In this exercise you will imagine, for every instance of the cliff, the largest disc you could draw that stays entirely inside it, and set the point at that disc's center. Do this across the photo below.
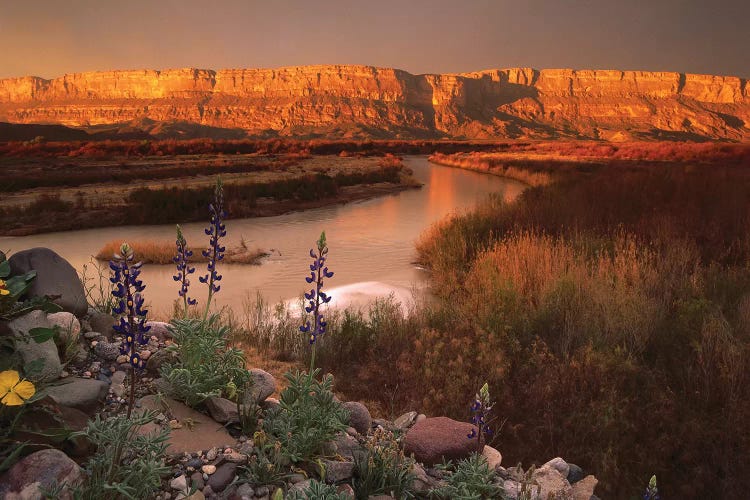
(366, 101)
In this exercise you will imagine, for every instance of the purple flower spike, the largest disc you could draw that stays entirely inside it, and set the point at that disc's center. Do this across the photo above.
(183, 269)
(316, 297)
(215, 252)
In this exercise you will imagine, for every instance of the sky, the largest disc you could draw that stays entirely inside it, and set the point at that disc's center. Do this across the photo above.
(49, 38)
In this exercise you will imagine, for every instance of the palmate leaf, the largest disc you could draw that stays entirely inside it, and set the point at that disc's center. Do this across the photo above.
(17, 285)
(41, 334)
(4, 269)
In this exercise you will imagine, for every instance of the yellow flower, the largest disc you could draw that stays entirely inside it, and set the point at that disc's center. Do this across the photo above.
(3, 290)
(13, 390)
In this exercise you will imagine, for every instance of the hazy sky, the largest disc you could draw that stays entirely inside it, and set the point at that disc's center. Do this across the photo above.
(51, 37)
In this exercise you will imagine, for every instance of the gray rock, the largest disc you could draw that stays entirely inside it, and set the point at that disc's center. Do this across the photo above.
(263, 386)
(300, 486)
(405, 421)
(551, 483)
(30, 351)
(107, 350)
(222, 410)
(346, 445)
(118, 383)
(575, 473)
(81, 393)
(559, 465)
(337, 472)
(42, 469)
(179, 483)
(261, 491)
(102, 323)
(54, 276)
(359, 416)
(159, 358)
(422, 482)
(196, 481)
(160, 330)
(245, 492)
(223, 476)
(68, 325)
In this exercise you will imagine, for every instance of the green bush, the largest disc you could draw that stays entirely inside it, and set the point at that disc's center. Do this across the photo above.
(308, 416)
(126, 464)
(317, 491)
(206, 366)
(382, 468)
(471, 479)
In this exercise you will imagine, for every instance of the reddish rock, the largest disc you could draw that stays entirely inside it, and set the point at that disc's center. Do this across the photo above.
(438, 438)
(46, 469)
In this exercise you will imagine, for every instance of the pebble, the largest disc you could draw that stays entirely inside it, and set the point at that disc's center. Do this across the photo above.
(64, 374)
(91, 335)
(212, 454)
(174, 424)
(179, 483)
(87, 374)
(208, 469)
(122, 359)
(94, 342)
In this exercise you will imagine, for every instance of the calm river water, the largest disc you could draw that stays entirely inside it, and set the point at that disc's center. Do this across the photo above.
(371, 242)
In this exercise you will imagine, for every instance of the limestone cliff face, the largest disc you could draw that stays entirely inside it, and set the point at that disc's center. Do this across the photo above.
(364, 100)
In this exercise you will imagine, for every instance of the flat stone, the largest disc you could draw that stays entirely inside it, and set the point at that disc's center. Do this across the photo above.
(54, 277)
(439, 438)
(337, 472)
(359, 416)
(31, 351)
(42, 469)
(198, 432)
(222, 410)
(405, 421)
(84, 394)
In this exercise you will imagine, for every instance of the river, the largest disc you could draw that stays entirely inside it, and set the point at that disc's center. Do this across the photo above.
(371, 243)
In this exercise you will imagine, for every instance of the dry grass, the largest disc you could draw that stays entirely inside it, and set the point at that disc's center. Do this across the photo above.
(162, 252)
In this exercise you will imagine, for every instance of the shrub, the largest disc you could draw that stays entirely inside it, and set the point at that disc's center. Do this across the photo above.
(207, 366)
(267, 465)
(318, 491)
(471, 479)
(308, 416)
(382, 468)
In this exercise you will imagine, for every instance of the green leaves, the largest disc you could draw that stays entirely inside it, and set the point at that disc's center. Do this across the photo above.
(40, 334)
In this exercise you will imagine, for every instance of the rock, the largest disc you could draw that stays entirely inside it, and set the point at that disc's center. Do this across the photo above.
(179, 483)
(245, 491)
(270, 404)
(208, 469)
(263, 386)
(212, 454)
(551, 483)
(584, 489)
(198, 495)
(160, 330)
(31, 351)
(48, 415)
(83, 394)
(118, 383)
(420, 417)
(42, 469)
(261, 491)
(68, 325)
(575, 473)
(103, 323)
(197, 431)
(492, 456)
(223, 476)
(300, 486)
(157, 359)
(346, 490)
(108, 351)
(559, 465)
(197, 481)
(337, 472)
(92, 335)
(422, 482)
(405, 421)
(435, 439)
(54, 276)
(346, 445)
(359, 416)
(222, 410)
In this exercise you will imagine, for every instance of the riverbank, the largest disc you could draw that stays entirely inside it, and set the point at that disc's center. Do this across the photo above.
(258, 188)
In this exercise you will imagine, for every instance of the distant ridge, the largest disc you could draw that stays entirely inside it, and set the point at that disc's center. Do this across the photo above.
(338, 101)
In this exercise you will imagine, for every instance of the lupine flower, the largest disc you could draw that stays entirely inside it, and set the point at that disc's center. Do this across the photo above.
(132, 325)
(316, 296)
(652, 492)
(183, 269)
(13, 390)
(215, 252)
(480, 410)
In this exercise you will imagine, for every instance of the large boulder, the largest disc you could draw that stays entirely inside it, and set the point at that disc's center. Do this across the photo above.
(222, 410)
(551, 483)
(439, 438)
(359, 416)
(31, 351)
(43, 469)
(54, 276)
(82, 393)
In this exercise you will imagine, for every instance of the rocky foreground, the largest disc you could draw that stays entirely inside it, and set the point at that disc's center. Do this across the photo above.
(203, 451)
(364, 101)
